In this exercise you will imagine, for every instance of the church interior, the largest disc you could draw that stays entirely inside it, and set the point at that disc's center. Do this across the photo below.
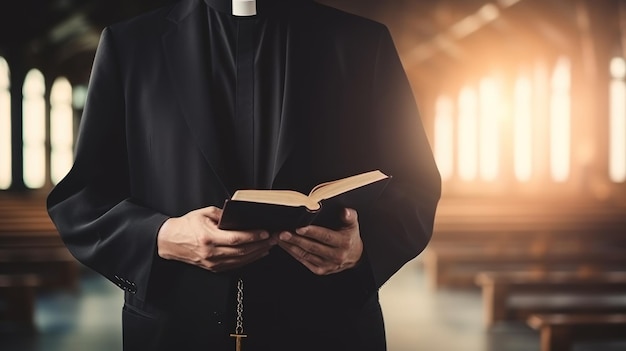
(524, 105)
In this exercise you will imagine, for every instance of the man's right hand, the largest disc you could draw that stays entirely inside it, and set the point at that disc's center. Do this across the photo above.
(195, 239)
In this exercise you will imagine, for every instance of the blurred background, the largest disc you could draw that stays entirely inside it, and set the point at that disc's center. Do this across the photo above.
(524, 103)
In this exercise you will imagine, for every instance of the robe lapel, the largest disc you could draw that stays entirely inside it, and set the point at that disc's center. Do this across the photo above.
(296, 93)
(185, 49)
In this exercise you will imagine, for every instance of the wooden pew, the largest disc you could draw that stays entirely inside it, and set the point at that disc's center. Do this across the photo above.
(502, 222)
(28, 232)
(560, 331)
(18, 293)
(471, 236)
(458, 266)
(29, 241)
(30, 246)
(55, 266)
(499, 287)
(25, 222)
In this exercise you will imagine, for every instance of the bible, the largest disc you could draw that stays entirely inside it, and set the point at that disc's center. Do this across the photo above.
(276, 210)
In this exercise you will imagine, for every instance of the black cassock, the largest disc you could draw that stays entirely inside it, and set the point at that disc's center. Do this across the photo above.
(187, 104)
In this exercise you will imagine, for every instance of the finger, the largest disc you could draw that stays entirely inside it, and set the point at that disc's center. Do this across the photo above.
(229, 237)
(320, 234)
(238, 238)
(308, 259)
(304, 256)
(309, 244)
(225, 252)
(214, 213)
(312, 262)
(350, 217)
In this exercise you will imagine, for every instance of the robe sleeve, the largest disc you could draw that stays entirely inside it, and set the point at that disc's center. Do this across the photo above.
(92, 207)
(399, 225)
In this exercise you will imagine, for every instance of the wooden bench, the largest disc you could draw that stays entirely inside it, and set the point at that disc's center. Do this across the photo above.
(32, 257)
(28, 232)
(499, 287)
(458, 266)
(57, 268)
(25, 222)
(560, 331)
(30, 243)
(17, 292)
(459, 221)
(473, 235)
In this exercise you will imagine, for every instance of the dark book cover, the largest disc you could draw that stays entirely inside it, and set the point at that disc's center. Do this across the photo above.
(247, 215)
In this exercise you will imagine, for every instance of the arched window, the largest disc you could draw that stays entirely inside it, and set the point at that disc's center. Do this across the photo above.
(522, 129)
(490, 107)
(617, 123)
(467, 150)
(61, 129)
(560, 120)
(444, 137)
(34, 129)
(5, 125)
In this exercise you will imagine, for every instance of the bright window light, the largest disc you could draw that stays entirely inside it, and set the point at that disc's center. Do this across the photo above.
(468, 134)
(522, 129)
(617, 123)
(444, 137)
(5, 125)
(560, 121)
(61, 129)
(34, 130)
(489, 141)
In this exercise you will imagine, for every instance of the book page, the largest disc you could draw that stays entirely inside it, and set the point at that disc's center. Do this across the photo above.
(340, 186)
(312, 202)
(277, 197)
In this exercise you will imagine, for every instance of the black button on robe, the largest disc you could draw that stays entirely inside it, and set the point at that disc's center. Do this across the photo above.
(162, 134)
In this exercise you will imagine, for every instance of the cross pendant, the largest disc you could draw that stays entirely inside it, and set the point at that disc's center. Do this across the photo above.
(238, 340)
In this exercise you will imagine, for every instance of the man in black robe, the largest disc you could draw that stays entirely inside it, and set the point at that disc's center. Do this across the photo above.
(191, 102)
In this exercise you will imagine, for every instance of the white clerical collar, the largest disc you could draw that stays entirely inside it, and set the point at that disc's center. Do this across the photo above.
(244, 7)
(254, 7)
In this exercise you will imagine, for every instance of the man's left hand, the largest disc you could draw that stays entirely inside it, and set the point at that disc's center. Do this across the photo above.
(325, 251)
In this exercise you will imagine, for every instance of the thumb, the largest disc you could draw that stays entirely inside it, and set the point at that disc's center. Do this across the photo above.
(349, 216)
(215, 213)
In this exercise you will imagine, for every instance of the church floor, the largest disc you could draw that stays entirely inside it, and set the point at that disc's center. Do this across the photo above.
(416, 319)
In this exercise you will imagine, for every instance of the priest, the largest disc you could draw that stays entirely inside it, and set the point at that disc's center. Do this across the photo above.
(190, 102)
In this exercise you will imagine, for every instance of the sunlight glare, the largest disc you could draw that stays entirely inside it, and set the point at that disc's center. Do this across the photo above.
(522, 129)
(617, 125)
(560, 120)
(444, 137)
(467, 134)
(490, 113)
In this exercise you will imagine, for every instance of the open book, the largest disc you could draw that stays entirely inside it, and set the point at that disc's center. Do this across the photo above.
(287, 209)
